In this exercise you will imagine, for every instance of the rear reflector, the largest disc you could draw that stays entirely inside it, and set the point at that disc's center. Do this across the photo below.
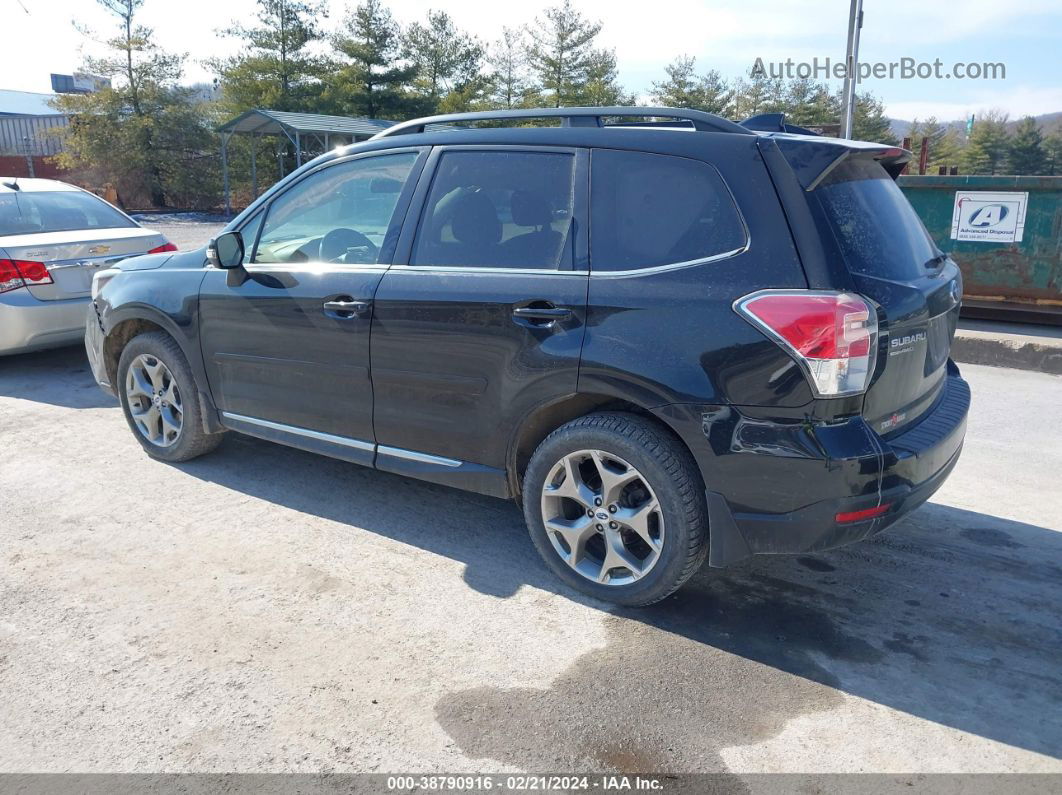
(163, 248)
(15, 273)
(833, 336)
(866, 513)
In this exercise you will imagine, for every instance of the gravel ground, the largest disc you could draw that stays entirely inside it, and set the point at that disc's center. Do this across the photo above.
(186, 230)
(264, 609)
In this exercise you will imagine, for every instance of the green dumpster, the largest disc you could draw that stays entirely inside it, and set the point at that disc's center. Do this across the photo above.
(1006, 235)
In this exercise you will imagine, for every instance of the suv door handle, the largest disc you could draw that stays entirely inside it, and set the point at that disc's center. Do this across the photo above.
(346, 307)
(543, 315)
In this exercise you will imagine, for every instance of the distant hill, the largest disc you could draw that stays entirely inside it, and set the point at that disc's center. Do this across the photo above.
(1049, 122)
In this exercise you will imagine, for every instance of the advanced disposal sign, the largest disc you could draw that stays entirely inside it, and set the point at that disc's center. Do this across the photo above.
(989, 217)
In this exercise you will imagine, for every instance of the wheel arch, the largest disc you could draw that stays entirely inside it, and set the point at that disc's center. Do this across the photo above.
(142, 320)
(548, 417)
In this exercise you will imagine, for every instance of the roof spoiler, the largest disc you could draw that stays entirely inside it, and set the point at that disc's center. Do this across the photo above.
(813, 160)
(773, 122)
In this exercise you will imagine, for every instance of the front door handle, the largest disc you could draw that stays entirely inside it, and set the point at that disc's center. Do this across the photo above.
(346, 307)
(544, 314)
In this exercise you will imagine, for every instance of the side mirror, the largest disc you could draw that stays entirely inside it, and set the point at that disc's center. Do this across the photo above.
(226, 250)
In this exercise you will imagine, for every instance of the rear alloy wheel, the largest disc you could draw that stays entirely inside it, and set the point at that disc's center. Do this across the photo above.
(602, 517)
(616, 507)
(160, 399)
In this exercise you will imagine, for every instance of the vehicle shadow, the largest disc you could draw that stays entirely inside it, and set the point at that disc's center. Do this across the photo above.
(58, 377)
(951, 616)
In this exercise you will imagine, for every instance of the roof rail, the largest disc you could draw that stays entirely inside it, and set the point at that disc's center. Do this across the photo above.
(573, 117)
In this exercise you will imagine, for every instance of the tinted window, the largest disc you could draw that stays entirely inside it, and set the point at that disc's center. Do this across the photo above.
(648, 210)
(876, 228)
(249, 232)
(500, 209)
(22, 212)
(340, 214)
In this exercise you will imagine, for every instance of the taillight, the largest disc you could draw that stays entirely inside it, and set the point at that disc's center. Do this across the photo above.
(163, 248)
(832, 335)
(15, 273)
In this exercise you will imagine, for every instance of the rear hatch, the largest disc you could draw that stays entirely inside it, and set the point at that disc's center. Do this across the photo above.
(895, 263)
(73, 233)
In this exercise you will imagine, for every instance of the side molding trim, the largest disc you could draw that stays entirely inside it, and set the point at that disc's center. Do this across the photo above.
(357, 444)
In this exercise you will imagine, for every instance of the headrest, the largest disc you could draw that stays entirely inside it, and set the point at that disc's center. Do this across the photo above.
(530, 209)
(475, 221)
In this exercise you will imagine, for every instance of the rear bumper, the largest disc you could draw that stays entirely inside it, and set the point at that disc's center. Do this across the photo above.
(28, 324)
(842, 468)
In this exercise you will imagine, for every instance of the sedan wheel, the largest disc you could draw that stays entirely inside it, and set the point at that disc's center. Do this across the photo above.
(602, 517)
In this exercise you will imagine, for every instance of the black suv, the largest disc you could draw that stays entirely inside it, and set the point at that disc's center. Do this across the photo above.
(669, 336)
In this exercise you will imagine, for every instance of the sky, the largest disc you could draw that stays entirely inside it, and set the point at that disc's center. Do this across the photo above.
(727, 35)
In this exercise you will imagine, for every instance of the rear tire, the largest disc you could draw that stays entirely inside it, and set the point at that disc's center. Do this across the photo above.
(616, 507)
(160, 399)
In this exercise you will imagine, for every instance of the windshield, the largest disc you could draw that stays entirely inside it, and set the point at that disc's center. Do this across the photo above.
(877, 230)
(27, 213)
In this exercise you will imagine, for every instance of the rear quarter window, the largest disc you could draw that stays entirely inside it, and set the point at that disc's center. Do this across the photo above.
(648, 210)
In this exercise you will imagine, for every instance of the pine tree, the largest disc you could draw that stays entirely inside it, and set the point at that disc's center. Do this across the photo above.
(508, 63)
(986, 152)
(684, 88)
(1027, 148)
(869, 122)
(277, 70)
(447, 59)
(758, 94)
(1053, 154)
(602, 87)
(948, 152)
(369, 80)
(561, 52)
(144, 133)
(806, 102)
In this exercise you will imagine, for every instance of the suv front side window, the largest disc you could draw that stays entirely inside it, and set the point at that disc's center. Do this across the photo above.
(504, 209)
(341, 214)
(648, 210)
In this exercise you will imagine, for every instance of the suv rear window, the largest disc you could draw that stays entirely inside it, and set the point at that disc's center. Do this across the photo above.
(878, 232)
(26, 213)
(649, 210)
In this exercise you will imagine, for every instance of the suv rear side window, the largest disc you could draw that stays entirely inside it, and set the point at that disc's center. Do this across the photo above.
(500, 209)
(648, 210)
(878, 232)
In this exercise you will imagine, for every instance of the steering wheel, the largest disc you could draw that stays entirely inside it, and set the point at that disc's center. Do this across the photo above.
(336, 246)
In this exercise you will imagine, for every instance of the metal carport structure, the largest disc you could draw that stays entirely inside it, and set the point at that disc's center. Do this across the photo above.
(317, 131)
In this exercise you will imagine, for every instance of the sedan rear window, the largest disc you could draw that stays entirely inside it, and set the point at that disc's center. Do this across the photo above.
(27, 213)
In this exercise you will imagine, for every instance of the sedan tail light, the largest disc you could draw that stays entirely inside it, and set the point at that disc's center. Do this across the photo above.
(15, 273)
(832, 335)
(163, 248)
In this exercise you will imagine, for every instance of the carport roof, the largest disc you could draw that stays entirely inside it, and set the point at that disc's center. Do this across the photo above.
(278, 122)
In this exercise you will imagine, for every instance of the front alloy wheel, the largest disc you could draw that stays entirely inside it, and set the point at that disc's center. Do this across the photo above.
(602, 517)
(155, 403)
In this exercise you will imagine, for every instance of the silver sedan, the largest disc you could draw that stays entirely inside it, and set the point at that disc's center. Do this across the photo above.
(53, 238)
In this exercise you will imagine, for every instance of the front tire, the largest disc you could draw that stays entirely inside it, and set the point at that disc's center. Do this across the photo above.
(160, 399)
(616, 508)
